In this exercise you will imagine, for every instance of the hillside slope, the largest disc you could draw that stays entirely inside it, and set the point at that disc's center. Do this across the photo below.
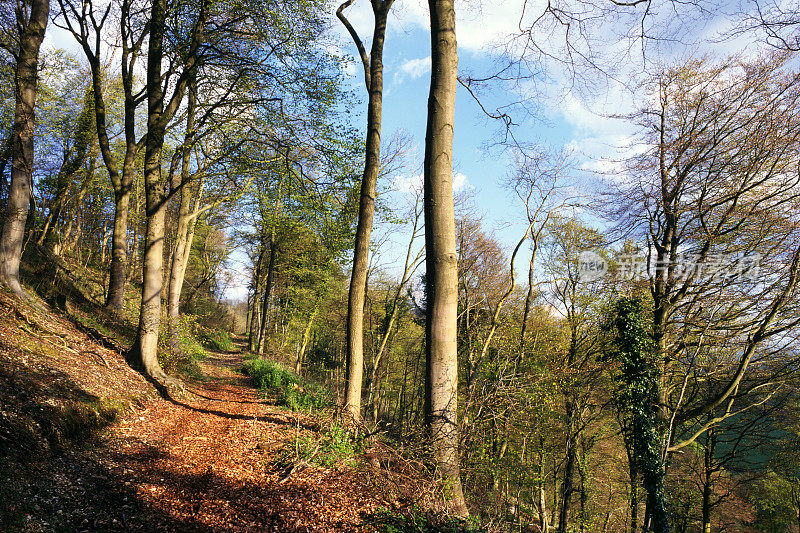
(86, 444)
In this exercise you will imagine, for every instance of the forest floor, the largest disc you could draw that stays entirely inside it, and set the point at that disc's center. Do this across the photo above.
(217, 458)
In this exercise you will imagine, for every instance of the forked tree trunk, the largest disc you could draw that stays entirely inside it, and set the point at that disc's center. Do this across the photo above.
(19, 194)
(86, 29)
(143, 353)
(373, 76)
(123, 184)
(441, 264)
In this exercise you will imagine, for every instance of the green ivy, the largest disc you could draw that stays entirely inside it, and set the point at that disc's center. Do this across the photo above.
(637, 398)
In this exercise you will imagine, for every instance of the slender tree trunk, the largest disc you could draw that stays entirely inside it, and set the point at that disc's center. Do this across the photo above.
(707, 507)
(527, 310)
(301, 354)
(568, 485)
(73, 160)
(73, 238)
(186, 223)
(584, 492)
(262, 336)
(5, 157)
(441, 396)
(708, 460)
(543, 525)
(373, 74)
(273, 244)
(255, 326)
(19, 194)
(64, 178)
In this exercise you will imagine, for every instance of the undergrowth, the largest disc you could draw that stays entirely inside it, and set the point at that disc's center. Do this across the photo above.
(216, 340)
(289, 389)
(191, 350)
(417, 521)
(331, 446)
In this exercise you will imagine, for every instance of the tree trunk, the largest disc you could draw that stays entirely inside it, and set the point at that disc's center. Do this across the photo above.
(301, 354)
(373, 74)
(143, 353)
(115, 300)
(708, 464)
(634, 503)
(262, 336)
(543, 525)
(568, 485)
(527, 310)
(19, 194)
(441, 276)
(123, 185)
(273, 243)
(255, 325)
(186, 224)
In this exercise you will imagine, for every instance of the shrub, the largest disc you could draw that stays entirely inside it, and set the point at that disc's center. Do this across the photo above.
(217, 340)
(415, 520)
(289, 389)
(332, 446)
(191, 351)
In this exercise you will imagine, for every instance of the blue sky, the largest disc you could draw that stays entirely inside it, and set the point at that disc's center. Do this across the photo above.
(572, 107)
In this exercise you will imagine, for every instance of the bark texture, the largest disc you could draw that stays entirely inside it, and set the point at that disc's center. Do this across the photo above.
(189, 203)
(373, 75)
(441, 262)
(32, 23)
(143, 354)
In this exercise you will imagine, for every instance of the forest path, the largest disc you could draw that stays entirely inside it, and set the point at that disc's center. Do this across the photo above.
(218, 459)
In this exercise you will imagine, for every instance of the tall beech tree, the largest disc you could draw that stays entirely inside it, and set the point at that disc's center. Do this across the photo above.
(373, 79)
(143, 353)
(441, 273)
(87, 26)
(30, 21)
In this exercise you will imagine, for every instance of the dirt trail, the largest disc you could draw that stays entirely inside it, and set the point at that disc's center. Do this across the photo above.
(216, 459)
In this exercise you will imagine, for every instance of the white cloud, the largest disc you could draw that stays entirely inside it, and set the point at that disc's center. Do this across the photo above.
(478, 25)
(407, 184)
(460, 182)
(413, 68)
